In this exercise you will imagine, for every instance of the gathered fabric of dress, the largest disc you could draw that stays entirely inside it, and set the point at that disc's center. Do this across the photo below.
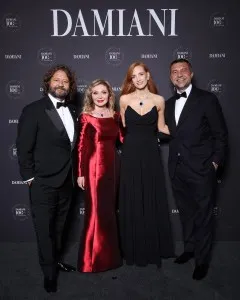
(99, 164)
(145, 228)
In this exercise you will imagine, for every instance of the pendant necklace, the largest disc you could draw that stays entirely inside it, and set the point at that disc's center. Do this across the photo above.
(101, 114)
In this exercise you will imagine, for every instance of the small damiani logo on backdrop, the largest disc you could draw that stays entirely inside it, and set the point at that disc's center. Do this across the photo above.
(217, 211)
(175, 211)
(81, 211)
(216, 87)
(13, 56)
(149, 55)
(20, 212)
(218, 20)
(11, 22)
(116, 89)
(217, 55)
(46, 56)
(13, 152)
(14, 89)
(13, 121)
(81, 56)
(41, 89)
(82, 85)
(18, 182)
(181, 52)
(114, 56)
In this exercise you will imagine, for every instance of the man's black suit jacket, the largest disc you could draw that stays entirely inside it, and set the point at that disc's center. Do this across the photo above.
(44, 149)
(200, 137)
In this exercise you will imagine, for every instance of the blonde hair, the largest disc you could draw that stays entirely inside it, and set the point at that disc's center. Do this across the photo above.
(88, 105)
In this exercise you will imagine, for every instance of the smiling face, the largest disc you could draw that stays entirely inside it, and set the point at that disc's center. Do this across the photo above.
(181, 75)
(100, 95)
(140, 77)
(59, 85)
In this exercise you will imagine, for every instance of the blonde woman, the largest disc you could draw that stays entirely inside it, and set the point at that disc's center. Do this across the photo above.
(97, 176)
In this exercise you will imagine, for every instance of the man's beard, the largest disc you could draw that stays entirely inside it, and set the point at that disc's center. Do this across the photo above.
(59, 92)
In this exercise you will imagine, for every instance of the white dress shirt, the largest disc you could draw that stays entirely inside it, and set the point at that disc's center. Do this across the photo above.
(179, 104)
(65, 116)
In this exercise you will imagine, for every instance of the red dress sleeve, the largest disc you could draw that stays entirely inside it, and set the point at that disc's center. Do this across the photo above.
(82, 144)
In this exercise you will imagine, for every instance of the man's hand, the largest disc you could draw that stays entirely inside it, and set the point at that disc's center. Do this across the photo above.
(81, 182)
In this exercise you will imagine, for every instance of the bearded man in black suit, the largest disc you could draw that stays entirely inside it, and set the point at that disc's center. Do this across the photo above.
(197, 149)
(46, 138)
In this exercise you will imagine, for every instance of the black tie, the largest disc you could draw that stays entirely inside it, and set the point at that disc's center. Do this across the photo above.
(184, 94)
(59, 104)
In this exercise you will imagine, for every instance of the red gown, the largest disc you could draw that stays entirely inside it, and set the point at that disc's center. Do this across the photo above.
(98, 163)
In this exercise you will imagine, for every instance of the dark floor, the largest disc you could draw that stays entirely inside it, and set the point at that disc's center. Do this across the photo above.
(21, 278)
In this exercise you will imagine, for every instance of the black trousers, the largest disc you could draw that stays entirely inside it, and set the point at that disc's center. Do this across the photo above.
(49, 207)
(195, 198)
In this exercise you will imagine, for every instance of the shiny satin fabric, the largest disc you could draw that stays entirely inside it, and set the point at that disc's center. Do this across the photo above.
(99, 164)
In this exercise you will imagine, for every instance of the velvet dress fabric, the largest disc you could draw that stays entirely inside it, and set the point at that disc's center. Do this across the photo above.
(99, 164)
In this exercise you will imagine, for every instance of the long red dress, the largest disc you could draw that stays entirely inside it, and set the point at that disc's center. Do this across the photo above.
(98, 163)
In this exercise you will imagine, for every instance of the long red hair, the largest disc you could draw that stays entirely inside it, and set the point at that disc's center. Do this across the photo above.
(128, 86)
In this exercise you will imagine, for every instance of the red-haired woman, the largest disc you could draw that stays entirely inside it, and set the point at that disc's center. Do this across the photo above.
(143, 209)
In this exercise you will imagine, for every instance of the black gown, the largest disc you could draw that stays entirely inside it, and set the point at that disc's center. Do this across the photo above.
(145, 229)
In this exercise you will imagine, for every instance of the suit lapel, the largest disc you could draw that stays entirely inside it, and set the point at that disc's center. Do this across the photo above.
(55, 118)
(190, 103)
(171, 115)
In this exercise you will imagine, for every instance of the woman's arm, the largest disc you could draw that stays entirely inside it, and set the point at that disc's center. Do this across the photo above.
(162, 127)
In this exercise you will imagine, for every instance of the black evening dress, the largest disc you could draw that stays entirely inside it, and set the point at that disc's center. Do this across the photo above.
(145, 230)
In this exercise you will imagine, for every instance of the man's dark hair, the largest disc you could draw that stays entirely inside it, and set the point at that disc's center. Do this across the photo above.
(71, 77)
(181, 60)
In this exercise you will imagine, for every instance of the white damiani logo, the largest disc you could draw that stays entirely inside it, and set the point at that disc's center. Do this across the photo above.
(149, 55)
(13, 121)
(11, 22)
(81, 211)
(82, 85)
(13, 56)
(114, 56)
(116, 89)
(14, 89)
(81, 56)
(218, 20)
(181, 52)
(46, 56)
(18, 182)
(217, 55)
(114, 23)
(13, 152)
(175, 211)
(216, 87)
(20, 212)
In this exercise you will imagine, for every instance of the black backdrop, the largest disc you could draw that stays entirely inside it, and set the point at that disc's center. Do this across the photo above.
(100, 39)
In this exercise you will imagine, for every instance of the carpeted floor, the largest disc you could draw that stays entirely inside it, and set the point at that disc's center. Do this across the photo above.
(21, 278)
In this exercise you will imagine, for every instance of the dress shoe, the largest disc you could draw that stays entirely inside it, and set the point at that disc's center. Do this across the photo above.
(65, 267)
(184, 257)
(50, 285)
(200, 271)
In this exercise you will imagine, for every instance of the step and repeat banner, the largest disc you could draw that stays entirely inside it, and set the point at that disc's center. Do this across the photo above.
(100, 39)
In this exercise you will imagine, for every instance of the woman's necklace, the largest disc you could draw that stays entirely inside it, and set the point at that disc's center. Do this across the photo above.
(142, 100)
(102, 114)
